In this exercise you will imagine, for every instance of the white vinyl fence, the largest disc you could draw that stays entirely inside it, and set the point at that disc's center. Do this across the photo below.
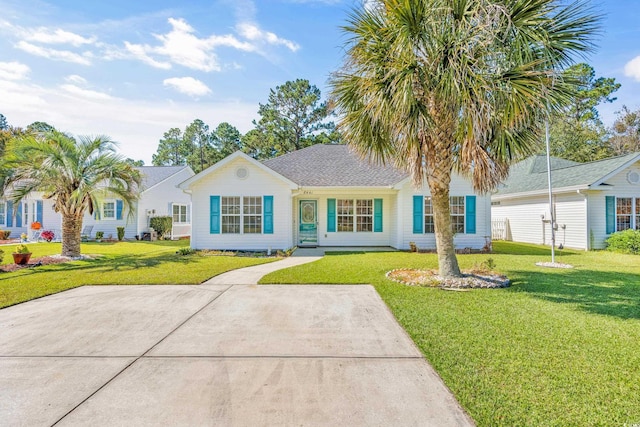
(500, 229)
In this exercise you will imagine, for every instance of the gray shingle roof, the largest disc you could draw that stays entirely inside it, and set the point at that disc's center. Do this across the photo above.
(152, 175)
(333, 166)
(531, 174)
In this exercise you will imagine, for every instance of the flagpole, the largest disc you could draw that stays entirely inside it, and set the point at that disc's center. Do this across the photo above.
(553, 231)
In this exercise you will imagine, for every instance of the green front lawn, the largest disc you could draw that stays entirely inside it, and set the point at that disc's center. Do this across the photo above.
(122, 263)
(557, 348)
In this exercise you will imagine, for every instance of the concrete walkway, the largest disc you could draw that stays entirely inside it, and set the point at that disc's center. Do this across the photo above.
(251, 275)
(216, 355)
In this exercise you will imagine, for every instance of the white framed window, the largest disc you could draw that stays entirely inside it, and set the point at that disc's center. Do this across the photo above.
(364, 215)
(354, 215)
(3, 213)
(230, 215)
(241, 214)
(456, 206)
(252, 215)
(627, 213)
(345, 215)
(109, 209)
(429, 224)
(26, 217)
(180, 214)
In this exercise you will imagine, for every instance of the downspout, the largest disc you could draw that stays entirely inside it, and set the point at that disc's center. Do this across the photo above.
(588, 221)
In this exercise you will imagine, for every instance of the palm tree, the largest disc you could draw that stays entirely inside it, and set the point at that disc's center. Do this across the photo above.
(75, 174)
(455, 86)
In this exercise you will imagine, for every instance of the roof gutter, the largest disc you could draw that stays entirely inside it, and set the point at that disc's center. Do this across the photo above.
(542, 192)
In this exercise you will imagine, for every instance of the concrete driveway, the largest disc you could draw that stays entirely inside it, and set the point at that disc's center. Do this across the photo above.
(215, 355)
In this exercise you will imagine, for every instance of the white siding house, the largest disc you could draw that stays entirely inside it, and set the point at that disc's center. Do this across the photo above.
(591, 200)
(17, 218)
(159, 196)
(323, 195)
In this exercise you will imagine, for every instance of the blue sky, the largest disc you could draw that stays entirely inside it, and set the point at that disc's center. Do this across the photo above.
(132, 70)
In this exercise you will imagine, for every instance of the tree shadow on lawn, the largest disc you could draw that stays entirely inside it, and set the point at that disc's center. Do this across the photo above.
(600, 292)
(110, 264)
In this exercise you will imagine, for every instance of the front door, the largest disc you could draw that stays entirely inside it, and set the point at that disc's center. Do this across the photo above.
(308, 234)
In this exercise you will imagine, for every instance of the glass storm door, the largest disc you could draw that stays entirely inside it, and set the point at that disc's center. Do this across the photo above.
(308, 235)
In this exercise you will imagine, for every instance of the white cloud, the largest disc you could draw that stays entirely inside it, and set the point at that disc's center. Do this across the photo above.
(136, 124)
(57, 36)
(13, 70)
(252, 32)
(632, 68)
(138, 52)
(187, 85)
(55, 54)
(182, 46)
(85, 93)
(74, 78)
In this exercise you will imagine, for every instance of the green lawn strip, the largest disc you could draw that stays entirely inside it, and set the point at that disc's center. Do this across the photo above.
(557, 348)
(122, 263)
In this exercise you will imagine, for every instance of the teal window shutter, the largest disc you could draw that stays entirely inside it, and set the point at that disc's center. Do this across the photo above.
(331, 215)
(418, 216)
(39, 211)
(119, 205)
(214, 210)
(610, 203)
(377, 215)
(19, 215)
(267, 227)
(9, 214)
(470, 210)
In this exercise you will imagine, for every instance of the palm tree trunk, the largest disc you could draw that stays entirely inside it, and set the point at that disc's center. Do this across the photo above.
(447, 260)
(439, 187)
(71, 235)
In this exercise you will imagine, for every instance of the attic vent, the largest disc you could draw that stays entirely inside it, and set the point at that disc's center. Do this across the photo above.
(633, 177)
(242, 173)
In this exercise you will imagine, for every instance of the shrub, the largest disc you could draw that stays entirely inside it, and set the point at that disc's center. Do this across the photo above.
(120, 233)
(186, 251)
(99, 235)
(4, 234)
(162, 224)
(627, 241)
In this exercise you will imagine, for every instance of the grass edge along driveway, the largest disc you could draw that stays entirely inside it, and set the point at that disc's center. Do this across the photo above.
(557, 348)
(121, 263)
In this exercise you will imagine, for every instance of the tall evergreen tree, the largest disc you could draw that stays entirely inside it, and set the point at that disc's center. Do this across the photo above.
(172, 150)
(199, 141)
(577, 133)
(625, 132)
(293, 115)
(228, 139)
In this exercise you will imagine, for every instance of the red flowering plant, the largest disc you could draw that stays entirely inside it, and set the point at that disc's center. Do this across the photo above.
(36, 225)
(48, 235)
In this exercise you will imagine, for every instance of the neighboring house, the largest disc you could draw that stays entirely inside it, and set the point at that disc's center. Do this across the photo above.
(17, 218)
(591, 201)
(159, 196)
(323, 195)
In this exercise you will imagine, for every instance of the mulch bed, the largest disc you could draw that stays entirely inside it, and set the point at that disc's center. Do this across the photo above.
(35, 262)
(430, 278)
